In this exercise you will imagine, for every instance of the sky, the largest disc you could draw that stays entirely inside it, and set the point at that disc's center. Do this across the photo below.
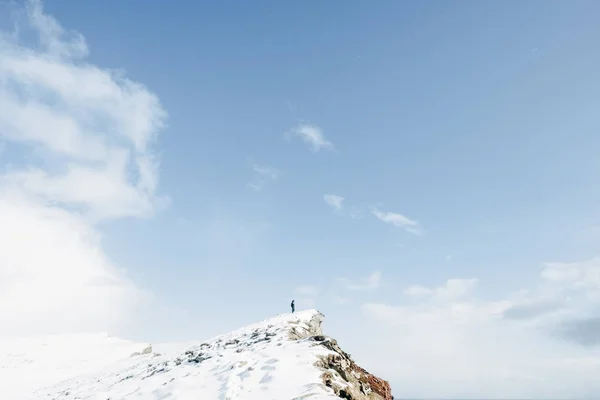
(424, 173)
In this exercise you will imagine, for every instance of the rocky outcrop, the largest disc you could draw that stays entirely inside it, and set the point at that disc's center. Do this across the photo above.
(284, 357)
(304, 329)
(146, 350)
(346, 378)
(340, 372)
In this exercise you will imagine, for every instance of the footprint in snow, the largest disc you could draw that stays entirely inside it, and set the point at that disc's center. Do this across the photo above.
(266, 378)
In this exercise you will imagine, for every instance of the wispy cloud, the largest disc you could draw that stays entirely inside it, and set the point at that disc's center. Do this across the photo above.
(371, 282)
(256, 186)
(311, 135)
(263, 173)
(307, 290)
(334, 201)
(583, 331)
(517, 332)
(453, 289)
(398, 220)
(583, 275)
(528, 309)
(307, 295)
(291, 107)
(340, 300)
(269, 172)
(100, 129)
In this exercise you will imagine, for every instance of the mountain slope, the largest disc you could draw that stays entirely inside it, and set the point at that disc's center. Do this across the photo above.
(282, 358)
(27, 364)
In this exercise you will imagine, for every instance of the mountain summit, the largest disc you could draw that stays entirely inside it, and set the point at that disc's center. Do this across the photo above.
(283, 358)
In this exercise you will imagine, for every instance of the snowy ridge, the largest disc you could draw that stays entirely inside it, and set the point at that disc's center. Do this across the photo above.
(282, 358)
(27, 364)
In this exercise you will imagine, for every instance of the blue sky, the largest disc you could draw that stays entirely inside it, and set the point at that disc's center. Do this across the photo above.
(420, 172)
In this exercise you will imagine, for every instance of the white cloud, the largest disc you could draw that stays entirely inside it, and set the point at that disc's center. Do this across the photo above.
(334, 201)
(256, 186)
(527, 308)
(469, 353)
(307, 290)
(417, 291)
(398, 220)
(88, 134)
(369, 283)
(354, 212)
(269, 172)
(453, 289)
(340, 300)
(537, 343)
(311, 135)
(584, 275)
(263, 173)
(308, 296)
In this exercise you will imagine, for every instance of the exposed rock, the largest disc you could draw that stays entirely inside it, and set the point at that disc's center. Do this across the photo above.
(313, 328)
(285, 357)
(345, 377)
(196, 356)
(146, 350)
(340, 372)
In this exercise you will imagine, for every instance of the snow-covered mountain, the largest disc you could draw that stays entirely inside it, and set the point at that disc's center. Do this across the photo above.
(283, 358)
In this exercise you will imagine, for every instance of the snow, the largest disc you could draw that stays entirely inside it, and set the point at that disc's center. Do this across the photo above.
(258, 362)
(31, 363)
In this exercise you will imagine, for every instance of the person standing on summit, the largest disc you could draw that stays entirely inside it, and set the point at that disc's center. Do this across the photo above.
(293, 306)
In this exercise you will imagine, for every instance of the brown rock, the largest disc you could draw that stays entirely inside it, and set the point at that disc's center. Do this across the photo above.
(340, 372)
(346, 378)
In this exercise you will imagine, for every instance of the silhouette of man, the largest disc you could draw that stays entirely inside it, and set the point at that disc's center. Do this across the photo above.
(293, 306)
